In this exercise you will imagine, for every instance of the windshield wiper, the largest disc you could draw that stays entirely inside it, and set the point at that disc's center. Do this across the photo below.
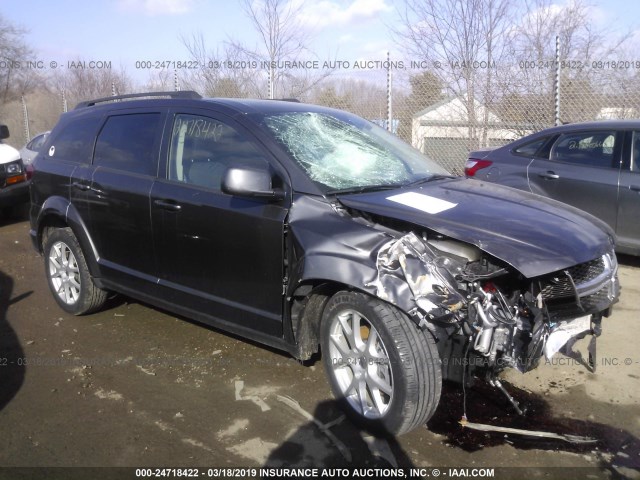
(364, 189)
(431, 178)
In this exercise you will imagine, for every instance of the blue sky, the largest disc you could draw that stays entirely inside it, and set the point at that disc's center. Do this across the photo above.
(125, 31)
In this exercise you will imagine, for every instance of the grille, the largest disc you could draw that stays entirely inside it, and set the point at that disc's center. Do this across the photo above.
(590, 304)
(558, 285)
(587, 271)
(593, 283)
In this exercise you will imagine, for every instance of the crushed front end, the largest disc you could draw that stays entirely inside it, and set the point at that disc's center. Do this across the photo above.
(483, 312)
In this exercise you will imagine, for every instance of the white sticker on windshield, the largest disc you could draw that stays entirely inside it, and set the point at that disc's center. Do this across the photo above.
(422, 202)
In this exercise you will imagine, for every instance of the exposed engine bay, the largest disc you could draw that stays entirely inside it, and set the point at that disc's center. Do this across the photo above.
(486, 314)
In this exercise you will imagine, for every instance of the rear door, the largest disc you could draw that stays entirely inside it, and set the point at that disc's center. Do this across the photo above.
(511, 164)
(217, 253)
(628, 230)
(66, 165)
(583, 170)
(125, 167)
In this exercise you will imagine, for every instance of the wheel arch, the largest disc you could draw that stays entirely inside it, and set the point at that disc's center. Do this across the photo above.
(306, 307)
(318, 277)
(57, 212)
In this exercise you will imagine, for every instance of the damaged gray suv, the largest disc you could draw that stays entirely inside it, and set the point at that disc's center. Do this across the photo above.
(312, 230)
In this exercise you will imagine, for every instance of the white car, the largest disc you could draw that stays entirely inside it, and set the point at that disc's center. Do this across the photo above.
(31, 149)
(14, 188)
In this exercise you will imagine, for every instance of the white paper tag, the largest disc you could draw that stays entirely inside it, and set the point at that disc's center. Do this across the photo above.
(424, 203)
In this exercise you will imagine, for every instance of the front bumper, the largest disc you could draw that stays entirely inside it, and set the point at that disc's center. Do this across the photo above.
(14, 194)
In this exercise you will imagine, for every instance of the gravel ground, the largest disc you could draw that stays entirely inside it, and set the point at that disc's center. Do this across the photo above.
(134, 386)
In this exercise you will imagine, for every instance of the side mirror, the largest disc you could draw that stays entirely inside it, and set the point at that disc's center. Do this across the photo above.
(250, 182)
(4, 132)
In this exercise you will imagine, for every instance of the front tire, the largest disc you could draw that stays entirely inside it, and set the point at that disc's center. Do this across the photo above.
(68, 275)
(381, 367)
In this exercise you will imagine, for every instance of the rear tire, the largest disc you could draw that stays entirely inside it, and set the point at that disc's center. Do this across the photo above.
(68, 275)
(384, 370)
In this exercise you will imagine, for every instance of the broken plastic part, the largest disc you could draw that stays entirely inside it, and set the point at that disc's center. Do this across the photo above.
(409, 265)
(529, 433)
(563, 332)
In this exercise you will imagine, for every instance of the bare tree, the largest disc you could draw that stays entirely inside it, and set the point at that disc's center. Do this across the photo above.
(219, 75)
(15, 79)
(580, 38)
(80, 84)
(465, 41)
(282, 38)
(357, 95)
(529, 82)
(160, 81)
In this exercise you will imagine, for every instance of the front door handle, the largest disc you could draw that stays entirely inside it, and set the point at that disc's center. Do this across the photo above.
(168, 205)
(635, 188)
(549, 175)
(98, 192)
(81, 186)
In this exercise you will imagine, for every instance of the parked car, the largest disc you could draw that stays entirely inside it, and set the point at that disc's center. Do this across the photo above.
(310, 229)
(593, 166)
(31, 149)
(14, 190)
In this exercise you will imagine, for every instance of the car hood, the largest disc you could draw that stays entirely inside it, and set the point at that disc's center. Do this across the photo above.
(533, 234)
(8, 154)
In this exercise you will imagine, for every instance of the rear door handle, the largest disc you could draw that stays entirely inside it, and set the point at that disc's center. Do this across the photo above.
(635, 188)
(549, 175)
(86, 187)
(168, 205)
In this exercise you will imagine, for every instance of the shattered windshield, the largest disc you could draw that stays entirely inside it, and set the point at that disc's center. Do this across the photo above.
(345, 153)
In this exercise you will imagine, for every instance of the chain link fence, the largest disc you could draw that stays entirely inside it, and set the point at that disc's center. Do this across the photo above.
(491, 106)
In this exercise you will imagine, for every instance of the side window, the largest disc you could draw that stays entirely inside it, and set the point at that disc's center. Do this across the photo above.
(202, 148)
(126, 142)
(635, 152)
(586, 148)
(529, 149)
(35, 144)
(75, 142)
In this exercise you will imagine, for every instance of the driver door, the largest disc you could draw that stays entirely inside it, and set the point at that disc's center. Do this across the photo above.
(217, 253)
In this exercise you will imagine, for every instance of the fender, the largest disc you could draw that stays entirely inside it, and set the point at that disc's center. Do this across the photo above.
(64, 212)
(347, 256)
(316, 278)
(322, 268)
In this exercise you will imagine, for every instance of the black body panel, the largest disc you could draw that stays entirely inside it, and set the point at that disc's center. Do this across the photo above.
(533, 234)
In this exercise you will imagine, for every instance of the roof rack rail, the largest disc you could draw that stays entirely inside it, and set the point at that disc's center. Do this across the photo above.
(294, 100)
(189, 94)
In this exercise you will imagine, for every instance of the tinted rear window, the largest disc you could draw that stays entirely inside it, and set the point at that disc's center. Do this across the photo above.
(127, 142)
(75, 142)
